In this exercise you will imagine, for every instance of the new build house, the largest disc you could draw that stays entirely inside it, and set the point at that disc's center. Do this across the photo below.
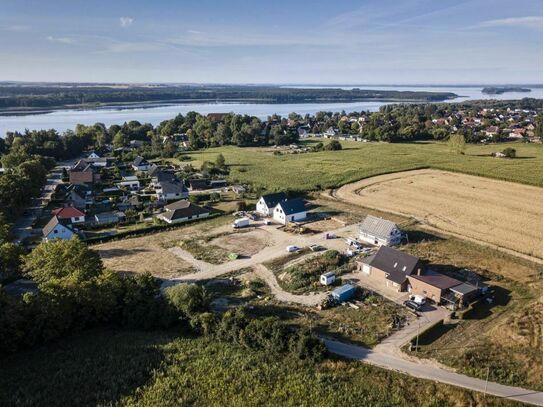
(57, 229)
(267, 203)
(379, 231)
(140, 164)
(293, 210)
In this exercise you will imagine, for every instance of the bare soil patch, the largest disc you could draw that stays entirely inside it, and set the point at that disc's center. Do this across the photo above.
(499, 213)
(246, 244)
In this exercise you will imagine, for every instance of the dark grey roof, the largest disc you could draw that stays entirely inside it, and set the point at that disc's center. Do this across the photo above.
(272, 200)
(438, 280)
(464, 288)
(153, 169)
(54, 221)
(378, 227)
(396, 263)
(138, 161)
(182, 209)
(163, 176)
(293, 206)
(173, 187)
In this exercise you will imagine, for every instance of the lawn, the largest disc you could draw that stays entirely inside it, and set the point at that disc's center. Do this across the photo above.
(328, 169)
(130, 368)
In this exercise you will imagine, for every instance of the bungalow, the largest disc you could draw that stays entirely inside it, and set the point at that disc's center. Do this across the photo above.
(140, 164)
(105, 218)
(131, 182)
(391, 267)
(182, 211)
(290, 211)
(69, 214)
(432, 285)
(170, 190)
(267, 203)
(379, 231)
(57, 229)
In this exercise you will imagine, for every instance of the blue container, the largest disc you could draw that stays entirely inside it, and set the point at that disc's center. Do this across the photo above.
(344, 293)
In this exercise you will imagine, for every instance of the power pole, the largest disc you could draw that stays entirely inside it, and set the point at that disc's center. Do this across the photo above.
(418, 329)
(486, 383)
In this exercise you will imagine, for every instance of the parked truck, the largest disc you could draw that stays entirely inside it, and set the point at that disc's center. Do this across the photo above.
(241, 223)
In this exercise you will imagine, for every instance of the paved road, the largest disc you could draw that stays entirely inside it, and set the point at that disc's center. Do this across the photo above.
(424, 371)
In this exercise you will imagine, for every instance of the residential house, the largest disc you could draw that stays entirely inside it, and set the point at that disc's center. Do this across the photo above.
(218, 183)
(182, 211)
(391, 267)
(432, 285)
(517, 133)
(170, 190)
(492, 131)
(379, 231)
(105, 218)
(130, 182)
(267, 203)
(83, 173)
(331, 132)
(292, 210)
(69, 214)
(57, 229)
(140, 164)
(198, 184)
(79, 196)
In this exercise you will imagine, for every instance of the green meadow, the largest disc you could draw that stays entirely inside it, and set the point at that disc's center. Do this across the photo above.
(330, 169)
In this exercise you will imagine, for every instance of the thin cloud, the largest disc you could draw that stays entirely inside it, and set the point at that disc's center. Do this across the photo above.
(535, 22)
(16, 28)
(61, 40)
(126, 21)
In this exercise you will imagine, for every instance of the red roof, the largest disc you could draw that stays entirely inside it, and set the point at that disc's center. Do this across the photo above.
(68, 212)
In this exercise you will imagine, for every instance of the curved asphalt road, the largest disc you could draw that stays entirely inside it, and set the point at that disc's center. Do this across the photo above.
(422, 371)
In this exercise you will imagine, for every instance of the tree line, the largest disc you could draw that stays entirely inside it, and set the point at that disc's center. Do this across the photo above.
(75, 292)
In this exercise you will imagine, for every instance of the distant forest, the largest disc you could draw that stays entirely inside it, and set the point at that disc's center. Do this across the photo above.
(26, 97)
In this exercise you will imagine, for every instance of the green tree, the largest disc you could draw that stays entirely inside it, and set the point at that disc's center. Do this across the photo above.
(220, 163)
(457, 143)
(188, 299)
(333, 145)
(62, 262)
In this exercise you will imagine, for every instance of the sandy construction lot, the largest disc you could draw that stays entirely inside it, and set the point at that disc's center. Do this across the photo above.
(499, 213)
(246, 243)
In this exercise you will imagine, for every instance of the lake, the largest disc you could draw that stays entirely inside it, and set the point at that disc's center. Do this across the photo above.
(67, 119)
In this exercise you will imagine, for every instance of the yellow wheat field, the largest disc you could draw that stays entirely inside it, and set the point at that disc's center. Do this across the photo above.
(499, 213)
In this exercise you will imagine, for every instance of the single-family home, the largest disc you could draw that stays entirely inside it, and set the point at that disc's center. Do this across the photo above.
(170, 190)
(267, 203)
(57, 229)
(93, 155)
(292, 210)
(130, 182)
(198, 184)
(83, 173)
(69, 214)
(379, 231)
(182, 211)
(79, 196)
(391, 267)
(492, 131)
(140, 164)
(432, 285)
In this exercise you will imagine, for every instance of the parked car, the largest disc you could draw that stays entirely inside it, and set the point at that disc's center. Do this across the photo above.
(316, 247)
(292, 248)
(419, 299)
(412, 305)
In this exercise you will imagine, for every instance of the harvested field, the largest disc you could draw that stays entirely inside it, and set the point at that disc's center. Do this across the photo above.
(499, 213)
(246, 243)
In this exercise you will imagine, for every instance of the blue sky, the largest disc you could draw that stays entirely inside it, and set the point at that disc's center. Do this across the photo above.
(242, 41)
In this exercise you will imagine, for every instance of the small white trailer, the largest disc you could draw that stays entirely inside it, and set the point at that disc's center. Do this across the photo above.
(241, 223)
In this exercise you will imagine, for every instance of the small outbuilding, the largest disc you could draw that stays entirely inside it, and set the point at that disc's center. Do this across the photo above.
(327, 278)
(344, 293)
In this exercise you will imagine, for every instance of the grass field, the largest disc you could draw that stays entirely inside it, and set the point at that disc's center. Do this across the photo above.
(330, 169)
(501, 213)
(129, 368)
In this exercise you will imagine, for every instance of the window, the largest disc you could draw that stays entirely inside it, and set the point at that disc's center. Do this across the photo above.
(395, 264)
(404, 268)
(55, 231)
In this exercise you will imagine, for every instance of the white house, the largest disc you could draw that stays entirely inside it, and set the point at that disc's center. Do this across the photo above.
(69, 215)
(131, 182)
(182, 211)
(267, 203)
(93, 155)
(379, 231)
(56, 229)
(171, 190)
(140, 164)
(290, 211)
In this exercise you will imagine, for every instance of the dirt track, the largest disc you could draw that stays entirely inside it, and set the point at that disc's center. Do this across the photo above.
(498, 213)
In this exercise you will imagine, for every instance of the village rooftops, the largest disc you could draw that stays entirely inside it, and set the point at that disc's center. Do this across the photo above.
(378, 227)
(293, 206)
(272, 200)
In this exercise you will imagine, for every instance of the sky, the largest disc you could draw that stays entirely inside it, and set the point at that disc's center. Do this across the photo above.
(279, 41)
